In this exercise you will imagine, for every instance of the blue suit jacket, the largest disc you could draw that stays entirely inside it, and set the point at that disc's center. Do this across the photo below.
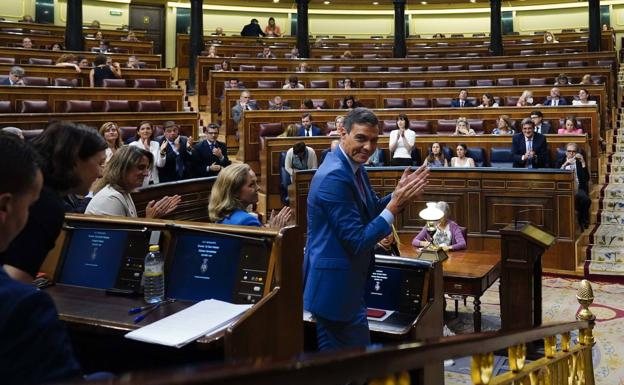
(342, 233)
(315, 131)
(540, 146)
(562, 102)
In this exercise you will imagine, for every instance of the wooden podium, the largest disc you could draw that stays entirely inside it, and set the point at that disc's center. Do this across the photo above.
(522, 247)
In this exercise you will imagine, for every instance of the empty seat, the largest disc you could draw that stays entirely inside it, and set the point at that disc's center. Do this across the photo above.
(5, 107)
(527, 52)
(420, 127)
(597, 79)
(511, 100)
(439, 83)
(435, 68)
(247, 67)
(320, 103)
(62, 82)
(346, 69)
(446, 126)
(455, 67)
(319, 83)
(34, 60)
(537, 81)
(327, 69)
(417, 83)
(145, 83)
(114, 83)
(388, 125)
(371, 84)
(462, 83)
(499, 66)
(505, 81)
(484, 82)
(442, 102)
(477, 125)
(457, 35)
(394, 85)
(415, 155)
(577, 63)
(475, 67)
(149, 106)
(327, 57)
(242, 55)
(369, 56)
(419, 103)
(78, 106)
(36, 81)
(269, 130)
(34, 106)
(396, 69)
(374, 68)
(604, 63)
(553, 52)
(267, 84)
(501, 157)
(394, 103)
(128, 133)
(415, 68)
(7, 60)
(550, 64)
(116, 106)
(431, 55)
(270, 68)
(519, 65)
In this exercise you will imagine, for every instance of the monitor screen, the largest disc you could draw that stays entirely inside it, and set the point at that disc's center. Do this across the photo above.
(204, 266)
(92, 257)
(384, 287)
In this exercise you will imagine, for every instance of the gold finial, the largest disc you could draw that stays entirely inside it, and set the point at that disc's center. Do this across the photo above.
(585, 297)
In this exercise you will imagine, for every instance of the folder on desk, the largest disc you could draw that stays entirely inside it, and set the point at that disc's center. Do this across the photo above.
(203, 318)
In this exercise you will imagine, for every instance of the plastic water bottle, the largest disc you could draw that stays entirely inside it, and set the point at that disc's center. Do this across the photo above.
(154, 276)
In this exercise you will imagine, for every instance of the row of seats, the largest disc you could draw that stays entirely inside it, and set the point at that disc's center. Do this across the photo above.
(42, 106)
(432, 68)
(63, 82)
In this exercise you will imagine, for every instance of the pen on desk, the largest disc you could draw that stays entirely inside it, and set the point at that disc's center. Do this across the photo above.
(141, 317)
(139, 309)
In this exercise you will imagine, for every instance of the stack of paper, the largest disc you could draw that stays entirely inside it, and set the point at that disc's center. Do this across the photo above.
(203, 318)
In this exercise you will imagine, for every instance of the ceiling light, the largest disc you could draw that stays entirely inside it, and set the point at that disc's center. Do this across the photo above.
(423, 2)
(375, 2)
(326, 2)
(276, 1)
(473, 1)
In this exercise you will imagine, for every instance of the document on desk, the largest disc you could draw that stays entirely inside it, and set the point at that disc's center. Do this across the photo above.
(183, 327)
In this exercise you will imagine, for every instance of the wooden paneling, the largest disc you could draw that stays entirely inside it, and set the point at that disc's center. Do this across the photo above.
(12, 39)
(22, 55)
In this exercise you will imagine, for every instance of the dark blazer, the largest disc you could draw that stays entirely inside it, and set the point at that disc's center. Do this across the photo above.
(581, 173)
(545, 128)
(467, 103)
(5, 82)
(315, 131)
(343, 228)
(252, 29)
(518, 148)
(203, 157)
(237, 111)
(168, 172)
(562, 102)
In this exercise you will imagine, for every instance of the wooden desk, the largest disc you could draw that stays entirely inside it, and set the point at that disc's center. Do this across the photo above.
(471, 273)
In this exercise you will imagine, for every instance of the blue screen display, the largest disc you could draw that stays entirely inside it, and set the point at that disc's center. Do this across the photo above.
(203, 267)
(383, 289)
(93, 258)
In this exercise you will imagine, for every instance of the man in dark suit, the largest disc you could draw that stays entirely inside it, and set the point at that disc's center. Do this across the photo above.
(278, 104)
(266, 53)
(307, 128)
(252, 29)
(35, 346)
(346, 219)
(243, 104)
(210, 155)
(177, 153)
(15, 77)
(541, 127)
(575, 161)
(462, 100)
(529, 149)
(555, 98)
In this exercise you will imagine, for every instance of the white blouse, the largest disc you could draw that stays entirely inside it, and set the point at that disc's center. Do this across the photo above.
(579, 103)
(159, 160)
(401, 150)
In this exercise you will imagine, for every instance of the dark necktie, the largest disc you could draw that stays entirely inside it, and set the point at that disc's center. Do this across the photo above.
(360, 183)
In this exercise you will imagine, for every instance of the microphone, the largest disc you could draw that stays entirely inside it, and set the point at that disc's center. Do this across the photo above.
(541, 209)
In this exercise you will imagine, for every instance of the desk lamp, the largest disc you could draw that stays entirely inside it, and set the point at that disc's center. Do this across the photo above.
(431, 214)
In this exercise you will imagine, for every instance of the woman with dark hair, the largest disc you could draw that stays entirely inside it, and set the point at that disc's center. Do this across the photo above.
(102, 71)
(349, 102)
(272, 29)
(436, 157)
(462, 160)
(235, 189)
(144, 139)
(487, 100)
(402, 142)
(72, 158)
(123, 174)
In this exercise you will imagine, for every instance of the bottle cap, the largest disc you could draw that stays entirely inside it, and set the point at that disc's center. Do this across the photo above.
(154, 248)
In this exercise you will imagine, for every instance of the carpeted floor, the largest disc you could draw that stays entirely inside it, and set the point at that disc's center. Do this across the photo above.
(559, 305)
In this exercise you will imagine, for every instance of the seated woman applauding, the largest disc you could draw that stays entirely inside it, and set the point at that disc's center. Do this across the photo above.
(124, 173)
(402, 142)
(571, 127)
(462, 127)
(461, 160)
(448, 235)
(235, 189)
(436, 158)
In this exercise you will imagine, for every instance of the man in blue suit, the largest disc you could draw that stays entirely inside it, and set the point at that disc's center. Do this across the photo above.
(345, 221)
(529, 149)
(555, 98)
(462, 100)
(307, 128)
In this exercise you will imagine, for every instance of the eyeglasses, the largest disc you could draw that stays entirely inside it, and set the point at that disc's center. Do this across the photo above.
(571, 151)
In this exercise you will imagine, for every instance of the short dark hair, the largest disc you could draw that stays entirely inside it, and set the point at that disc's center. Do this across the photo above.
(306, 115)
(214, 126)
(254, 21)
(99, 59)
(538, 113)
(299, 148)
(137, 136)
(403, 117)
(360, 115)
(24, 163)
(308, 103)
(293, 79)
(527, 121)
(463, 145)
(61, 145)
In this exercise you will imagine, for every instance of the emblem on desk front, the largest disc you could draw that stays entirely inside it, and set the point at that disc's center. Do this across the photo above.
(377, 286)
(94, 254)
(204, 266)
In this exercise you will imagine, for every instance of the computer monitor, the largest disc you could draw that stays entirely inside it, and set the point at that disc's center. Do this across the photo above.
(103, 257)
(214, 265)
